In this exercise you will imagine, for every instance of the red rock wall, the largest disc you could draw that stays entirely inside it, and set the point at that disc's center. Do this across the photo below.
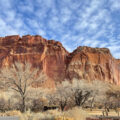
(93, 63)
(51, 57)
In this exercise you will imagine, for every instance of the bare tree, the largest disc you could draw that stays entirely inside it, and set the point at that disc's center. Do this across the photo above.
(76, 93)
(36, 98)
(51, 99)
(98, 92)
(114, 98)
(19, 77)
(61, 96)
(80, 91)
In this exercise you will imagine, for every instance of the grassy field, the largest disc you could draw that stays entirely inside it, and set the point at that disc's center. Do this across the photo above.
(73, 114)
(99, 112)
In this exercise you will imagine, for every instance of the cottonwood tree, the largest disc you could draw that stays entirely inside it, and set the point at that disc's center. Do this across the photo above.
(98, 92)
(51, 99)
(76, 93)
(19, 77)
(113, 96)
(80, 91)
(61, 96)
(36, 98)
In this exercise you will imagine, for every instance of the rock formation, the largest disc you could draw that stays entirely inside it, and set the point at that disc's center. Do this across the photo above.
(51, 57)
(93, 64)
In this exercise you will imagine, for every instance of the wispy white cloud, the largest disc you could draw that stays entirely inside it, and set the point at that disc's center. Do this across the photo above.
(75, 23)
(115, 5)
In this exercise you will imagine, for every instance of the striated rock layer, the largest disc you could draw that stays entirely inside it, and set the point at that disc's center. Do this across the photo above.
(93, 64)
(51, 57)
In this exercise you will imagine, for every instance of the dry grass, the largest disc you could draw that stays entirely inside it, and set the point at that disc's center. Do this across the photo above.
(99, 112)
(77, 114)
(36, 116)
(11, 113)
(73, 114)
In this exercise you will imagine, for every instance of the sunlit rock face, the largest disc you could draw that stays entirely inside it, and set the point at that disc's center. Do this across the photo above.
(48, 56)
(93, 64)
(51, 57)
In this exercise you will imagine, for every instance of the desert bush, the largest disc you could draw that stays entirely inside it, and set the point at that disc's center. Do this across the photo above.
(11, 113)
(2, 105)
(76, 113)
(4, 102)
(35, 116)
(37, 105)
(36, 99)
(13, 101)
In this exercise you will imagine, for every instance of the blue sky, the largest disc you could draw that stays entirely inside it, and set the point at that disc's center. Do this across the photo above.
(94, 23)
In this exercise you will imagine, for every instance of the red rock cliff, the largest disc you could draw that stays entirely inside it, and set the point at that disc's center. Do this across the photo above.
(93, 64)
(51, 57)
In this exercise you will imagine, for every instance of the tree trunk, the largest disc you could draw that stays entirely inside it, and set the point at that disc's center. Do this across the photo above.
(103, 112)
(118, 113)
(23, 104)
(91, 106)
(62, 105)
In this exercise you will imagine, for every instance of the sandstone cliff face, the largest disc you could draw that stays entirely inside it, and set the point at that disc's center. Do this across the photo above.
(51, 57)
(93, 64)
